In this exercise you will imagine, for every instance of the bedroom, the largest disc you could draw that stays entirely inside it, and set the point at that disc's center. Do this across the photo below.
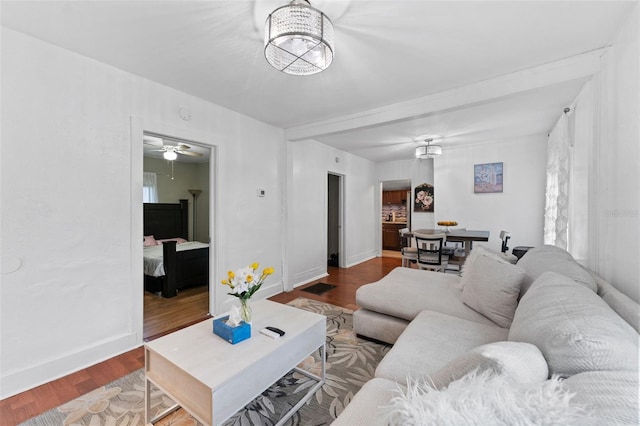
(176, 191)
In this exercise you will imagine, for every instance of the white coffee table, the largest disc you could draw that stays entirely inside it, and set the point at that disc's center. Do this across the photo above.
(213, 379)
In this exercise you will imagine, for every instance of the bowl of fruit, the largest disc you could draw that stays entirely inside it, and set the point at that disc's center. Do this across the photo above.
(447, 224)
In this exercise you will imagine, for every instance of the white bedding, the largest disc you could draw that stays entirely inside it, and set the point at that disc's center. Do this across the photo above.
(153, 257)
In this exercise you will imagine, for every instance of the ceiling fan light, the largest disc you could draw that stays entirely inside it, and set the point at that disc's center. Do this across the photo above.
(170, 155)
(298, 39)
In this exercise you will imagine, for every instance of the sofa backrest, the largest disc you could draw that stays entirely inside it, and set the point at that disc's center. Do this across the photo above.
(548, 258)
(624, 306)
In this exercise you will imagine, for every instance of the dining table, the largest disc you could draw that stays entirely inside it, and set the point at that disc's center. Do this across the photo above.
(467, 237)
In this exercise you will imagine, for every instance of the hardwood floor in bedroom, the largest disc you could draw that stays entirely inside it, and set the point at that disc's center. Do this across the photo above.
(33, 402)
(162, 316)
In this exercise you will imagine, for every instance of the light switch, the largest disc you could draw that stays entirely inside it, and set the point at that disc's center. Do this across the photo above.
(261, 192)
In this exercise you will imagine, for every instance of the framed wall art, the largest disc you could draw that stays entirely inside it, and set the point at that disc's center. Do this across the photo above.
(423, 198)
(487, 177)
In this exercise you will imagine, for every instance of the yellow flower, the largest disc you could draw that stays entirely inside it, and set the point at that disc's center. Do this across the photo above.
(225, 282)
(249, 278)
(255, 265)
(267, 271)
(231, 275)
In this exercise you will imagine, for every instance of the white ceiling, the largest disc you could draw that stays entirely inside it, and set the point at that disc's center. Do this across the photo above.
(388, 54)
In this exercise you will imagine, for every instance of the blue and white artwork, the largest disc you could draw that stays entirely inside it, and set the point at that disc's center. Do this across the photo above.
(487, 177)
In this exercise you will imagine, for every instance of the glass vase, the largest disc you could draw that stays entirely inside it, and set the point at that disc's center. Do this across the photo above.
(245, 311)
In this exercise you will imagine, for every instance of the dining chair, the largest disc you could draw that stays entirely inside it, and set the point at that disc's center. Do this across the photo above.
(451, 246)
(409, 254)
(454, 253)
(504, 236)
(430, 251)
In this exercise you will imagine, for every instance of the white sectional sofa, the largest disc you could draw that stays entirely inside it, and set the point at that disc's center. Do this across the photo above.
(544, 321)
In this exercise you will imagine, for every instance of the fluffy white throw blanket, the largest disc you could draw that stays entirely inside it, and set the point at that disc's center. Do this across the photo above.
(486, 399)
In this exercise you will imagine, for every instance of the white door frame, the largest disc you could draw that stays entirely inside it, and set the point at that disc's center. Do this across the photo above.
(138, 128)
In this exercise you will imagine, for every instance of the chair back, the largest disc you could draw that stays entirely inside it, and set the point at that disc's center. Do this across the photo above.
(504, 236)
(430, 248)
(405, 241)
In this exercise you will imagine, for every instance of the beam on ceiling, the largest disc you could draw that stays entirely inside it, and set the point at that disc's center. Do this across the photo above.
(491, 90)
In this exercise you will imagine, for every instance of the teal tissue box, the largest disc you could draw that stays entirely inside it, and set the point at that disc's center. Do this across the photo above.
(232, 335)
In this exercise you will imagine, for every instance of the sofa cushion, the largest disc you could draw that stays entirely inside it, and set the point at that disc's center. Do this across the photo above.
(483, 251)
(624, 306)
(378, 326)
(613, 395)
(547, 258)
(367, 406)
(573, 327)
(430, 341)
(405, 292)
(523, 362)
(491, 287)
(487, 399)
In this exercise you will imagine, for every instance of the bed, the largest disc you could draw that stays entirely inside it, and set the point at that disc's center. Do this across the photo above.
(175, 263)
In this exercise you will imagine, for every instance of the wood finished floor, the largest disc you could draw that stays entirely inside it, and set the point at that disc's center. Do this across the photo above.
(31, 403)
(162, 316)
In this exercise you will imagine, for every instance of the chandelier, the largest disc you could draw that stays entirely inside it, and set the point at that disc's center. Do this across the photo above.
(298, 39)
(428, 150)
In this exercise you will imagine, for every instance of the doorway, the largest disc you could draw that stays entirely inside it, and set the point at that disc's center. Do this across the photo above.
(395, 215)
(335, 249)
(176, 176)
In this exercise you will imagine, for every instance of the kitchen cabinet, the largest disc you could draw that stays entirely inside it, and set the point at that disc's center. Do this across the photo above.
(394, 197)
(391, 235)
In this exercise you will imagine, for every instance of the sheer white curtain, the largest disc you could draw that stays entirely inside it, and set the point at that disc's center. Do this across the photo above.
(556, 215)
(149, 187)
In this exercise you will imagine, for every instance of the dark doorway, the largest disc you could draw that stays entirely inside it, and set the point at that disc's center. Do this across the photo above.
(333, 220)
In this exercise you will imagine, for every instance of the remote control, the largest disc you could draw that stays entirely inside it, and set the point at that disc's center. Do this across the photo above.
(276, 330)
(270, 333)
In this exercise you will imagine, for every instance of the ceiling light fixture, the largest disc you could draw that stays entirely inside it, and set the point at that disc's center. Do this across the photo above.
(428, 150)
(170, 155)
(298, 39)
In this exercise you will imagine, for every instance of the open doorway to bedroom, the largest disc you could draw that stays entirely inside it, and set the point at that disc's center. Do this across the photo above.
(176, 196)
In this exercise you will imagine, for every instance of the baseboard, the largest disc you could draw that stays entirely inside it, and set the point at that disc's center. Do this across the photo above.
(14, 382)
(308, 276)
(363, 257)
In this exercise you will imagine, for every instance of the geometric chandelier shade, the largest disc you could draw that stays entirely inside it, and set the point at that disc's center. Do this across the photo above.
(298, 39)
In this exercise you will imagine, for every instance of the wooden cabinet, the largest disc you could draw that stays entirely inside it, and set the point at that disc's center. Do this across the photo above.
(391, 235)
(394, 197)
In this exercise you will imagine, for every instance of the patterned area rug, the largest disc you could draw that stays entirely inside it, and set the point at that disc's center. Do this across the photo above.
(350, 363)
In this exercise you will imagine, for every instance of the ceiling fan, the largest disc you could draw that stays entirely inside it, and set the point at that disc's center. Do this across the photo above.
(170, 152)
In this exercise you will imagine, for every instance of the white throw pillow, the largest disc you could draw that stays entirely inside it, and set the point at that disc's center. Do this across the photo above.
(491, 287)
(523, 362)
(479, 251)
(486, 399)
(574, 328)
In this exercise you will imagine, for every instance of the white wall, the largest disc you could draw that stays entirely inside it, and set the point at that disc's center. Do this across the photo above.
(309, 164)
(71, 175)
(519, 209)
(616, 204)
